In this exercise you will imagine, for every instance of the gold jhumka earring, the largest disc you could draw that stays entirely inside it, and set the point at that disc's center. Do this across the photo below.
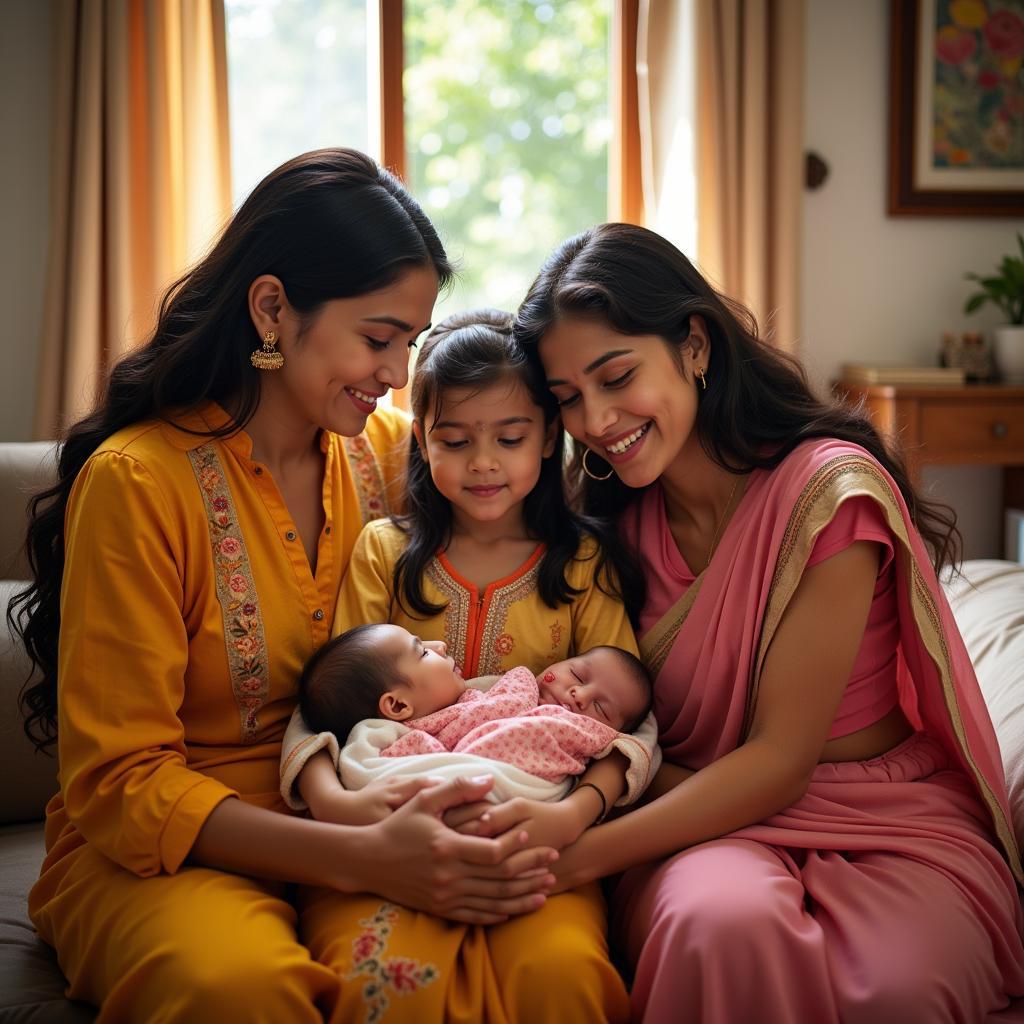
(586, 468)
(267, 358)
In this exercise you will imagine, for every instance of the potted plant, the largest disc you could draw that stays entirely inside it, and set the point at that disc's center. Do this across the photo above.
(1005, 289)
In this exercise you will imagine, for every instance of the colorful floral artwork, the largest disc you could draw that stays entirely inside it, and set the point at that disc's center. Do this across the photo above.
(978, 99)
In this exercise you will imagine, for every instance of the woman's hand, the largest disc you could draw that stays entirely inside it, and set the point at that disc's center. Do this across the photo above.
(413, 858)
(547, 824)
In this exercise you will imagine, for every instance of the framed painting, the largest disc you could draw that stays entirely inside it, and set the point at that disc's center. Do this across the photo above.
(956, 120)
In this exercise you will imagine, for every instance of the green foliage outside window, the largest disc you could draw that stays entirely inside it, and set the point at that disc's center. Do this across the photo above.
(507, 126)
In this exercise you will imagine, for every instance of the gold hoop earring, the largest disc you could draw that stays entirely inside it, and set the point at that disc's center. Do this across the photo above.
(703, 382)
(267, 358)
(586, 468)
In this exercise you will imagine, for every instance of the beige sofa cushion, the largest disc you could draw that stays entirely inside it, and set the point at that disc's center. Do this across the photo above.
(25, 469)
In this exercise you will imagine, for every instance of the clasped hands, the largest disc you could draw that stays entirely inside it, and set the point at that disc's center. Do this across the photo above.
(440, 847)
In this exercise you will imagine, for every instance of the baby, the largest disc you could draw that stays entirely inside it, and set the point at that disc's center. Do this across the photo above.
(546, 727)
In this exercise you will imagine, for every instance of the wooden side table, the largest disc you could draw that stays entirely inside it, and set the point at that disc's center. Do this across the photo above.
(977, 424)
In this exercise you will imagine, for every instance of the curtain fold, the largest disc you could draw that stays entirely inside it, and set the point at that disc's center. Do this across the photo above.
(745, 103)
(750, 155)
(140, 180)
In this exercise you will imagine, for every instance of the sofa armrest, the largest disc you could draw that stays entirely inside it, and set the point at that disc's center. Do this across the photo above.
(988, 603)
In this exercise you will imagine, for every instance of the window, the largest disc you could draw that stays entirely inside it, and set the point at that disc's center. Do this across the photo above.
(513, 122)
(507, 127)
(298, 79)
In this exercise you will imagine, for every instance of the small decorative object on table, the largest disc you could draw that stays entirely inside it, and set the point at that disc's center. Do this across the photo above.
(1004, 288)
(952, 351)
(976, 358)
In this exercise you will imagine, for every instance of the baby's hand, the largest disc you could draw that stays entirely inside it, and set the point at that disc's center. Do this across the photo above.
(376, 801)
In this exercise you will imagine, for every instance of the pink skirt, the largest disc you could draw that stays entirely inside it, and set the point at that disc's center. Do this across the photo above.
(878, 898)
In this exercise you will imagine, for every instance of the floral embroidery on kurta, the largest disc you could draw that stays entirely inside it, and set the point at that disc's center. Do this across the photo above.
(244, 636)
(384, 975)
(491, 641)
(493, 638)
(456, 612)
(556, 635)
(368, 478)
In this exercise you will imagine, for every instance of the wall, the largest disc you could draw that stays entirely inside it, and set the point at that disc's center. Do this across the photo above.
(877, 287)
(24, 205)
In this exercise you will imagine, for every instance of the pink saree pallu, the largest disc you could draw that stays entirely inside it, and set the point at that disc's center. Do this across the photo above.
(888, 893)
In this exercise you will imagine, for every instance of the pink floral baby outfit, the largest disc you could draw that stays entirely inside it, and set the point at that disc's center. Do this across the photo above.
(507, 723)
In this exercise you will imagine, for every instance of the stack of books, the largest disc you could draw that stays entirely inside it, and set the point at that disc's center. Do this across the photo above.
(907, 376)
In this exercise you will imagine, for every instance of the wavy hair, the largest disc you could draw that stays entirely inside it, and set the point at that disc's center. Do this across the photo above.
(329, 224)
(759, 406)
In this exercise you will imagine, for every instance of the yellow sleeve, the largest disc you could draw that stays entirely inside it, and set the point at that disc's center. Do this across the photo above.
(388, 431)
(123, 654)
(365, 594)
(597, 619)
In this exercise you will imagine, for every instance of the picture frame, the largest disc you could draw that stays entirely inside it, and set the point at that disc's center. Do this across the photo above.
(956, 119)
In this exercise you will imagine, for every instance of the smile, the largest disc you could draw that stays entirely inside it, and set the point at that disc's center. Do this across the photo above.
(363, 397)
(487, 491)
(628, 441)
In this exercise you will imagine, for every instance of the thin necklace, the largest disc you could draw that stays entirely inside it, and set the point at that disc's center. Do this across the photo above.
(725, 513)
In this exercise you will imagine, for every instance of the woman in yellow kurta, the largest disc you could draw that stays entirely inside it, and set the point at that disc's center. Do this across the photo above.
(188, 561)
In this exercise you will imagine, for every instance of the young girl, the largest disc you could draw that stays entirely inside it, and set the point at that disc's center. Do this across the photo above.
(488, 558)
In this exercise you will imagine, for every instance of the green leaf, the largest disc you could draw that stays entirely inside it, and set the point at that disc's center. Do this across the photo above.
(974, 302)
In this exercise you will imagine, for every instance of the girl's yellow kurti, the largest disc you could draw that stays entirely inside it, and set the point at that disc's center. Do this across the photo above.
(488, 631)
(187, 609)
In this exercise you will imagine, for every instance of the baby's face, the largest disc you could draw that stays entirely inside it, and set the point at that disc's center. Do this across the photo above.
(432, 679)
(594, 684)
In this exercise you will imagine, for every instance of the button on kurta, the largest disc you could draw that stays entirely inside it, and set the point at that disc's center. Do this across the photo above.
(318, 614)
(290, 535)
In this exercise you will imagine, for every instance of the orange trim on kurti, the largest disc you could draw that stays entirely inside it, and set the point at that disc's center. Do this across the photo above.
(475, 623)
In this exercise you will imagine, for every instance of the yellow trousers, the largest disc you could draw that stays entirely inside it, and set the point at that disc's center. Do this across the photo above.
(204, 945)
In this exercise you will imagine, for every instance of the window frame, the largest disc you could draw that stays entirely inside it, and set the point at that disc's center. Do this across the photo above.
(625, 193)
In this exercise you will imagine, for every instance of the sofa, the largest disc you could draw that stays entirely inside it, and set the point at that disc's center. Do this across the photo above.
(988, 601)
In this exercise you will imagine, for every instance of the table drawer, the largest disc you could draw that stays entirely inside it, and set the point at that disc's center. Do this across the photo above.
(986, 432)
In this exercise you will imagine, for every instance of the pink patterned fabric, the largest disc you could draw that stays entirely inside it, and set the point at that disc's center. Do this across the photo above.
(508, 724)
(883, 894)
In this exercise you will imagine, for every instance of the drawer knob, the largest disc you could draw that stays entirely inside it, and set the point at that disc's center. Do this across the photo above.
(999, 430)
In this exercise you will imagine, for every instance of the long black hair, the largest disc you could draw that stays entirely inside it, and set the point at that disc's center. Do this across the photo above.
(758, 405)
(475, 350)
(329, 224)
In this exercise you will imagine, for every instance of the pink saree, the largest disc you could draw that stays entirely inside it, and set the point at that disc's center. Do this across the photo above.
(887, 893)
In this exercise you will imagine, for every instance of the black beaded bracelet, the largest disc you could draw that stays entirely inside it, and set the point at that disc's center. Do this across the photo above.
(604, 802)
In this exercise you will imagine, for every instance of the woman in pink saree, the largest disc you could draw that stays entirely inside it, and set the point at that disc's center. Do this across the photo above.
(829, 838)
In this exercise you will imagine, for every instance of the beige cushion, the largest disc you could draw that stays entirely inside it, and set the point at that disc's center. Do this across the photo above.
(25, 469)
(988, 602)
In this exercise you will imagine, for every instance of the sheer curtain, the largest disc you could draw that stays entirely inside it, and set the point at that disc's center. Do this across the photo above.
(140, 179)
(737, 116)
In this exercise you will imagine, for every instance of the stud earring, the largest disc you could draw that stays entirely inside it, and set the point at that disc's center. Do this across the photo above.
(587, 470)
(267, 357)
(703, 382)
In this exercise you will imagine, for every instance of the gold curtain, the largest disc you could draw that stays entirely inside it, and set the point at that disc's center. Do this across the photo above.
(140, 181)
(750, 119)
(734, 109)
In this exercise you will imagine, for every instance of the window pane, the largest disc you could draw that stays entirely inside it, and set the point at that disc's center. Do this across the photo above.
(507, 128)
(297, 80)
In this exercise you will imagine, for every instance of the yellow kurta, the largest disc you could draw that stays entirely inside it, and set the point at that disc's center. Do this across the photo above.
(490, 631)
(187, 610)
